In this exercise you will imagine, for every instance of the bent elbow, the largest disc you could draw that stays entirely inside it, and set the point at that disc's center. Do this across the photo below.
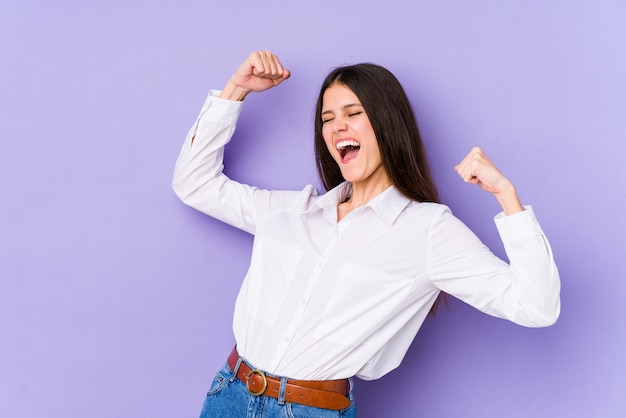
(546, 318)
(181, 188)
(178, 186)
(556, 313)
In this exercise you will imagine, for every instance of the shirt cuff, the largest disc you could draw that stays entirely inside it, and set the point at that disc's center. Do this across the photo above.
(517, 225)
(222, 109)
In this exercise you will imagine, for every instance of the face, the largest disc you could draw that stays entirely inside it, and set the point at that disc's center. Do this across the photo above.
(350, 138)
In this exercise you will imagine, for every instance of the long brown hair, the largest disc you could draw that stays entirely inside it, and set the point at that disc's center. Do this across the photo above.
(395, 126)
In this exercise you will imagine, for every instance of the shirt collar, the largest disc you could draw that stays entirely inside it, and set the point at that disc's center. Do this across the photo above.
(388, 205)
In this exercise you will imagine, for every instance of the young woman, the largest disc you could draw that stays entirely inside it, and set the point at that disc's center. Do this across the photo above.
(340, 283)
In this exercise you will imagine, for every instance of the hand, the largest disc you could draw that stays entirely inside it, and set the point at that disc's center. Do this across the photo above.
(478, 169)
(261, 71)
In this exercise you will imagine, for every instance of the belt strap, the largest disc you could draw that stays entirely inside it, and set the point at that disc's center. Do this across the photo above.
(327, 394)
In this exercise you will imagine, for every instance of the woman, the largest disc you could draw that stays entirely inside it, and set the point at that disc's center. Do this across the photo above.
(339, 284)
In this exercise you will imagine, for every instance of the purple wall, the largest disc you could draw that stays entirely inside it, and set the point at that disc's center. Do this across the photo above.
(116, 300)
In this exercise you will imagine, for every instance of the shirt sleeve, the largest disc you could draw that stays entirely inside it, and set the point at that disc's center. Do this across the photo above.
(525, 291)
(199, 180)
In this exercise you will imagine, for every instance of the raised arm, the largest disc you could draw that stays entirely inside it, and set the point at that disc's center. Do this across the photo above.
(199, 180)
(528, 290)
(476, 168)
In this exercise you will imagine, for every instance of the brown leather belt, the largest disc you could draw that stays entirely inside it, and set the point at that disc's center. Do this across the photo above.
(327, 394)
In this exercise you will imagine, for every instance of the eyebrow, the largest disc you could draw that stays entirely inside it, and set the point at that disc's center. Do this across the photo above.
(343, 107)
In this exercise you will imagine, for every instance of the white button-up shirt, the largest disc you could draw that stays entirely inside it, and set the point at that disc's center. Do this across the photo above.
(324, 299)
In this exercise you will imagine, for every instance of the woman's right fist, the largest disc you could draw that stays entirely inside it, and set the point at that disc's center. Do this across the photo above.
(262, 70)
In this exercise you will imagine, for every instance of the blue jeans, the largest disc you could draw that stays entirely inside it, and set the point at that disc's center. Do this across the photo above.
(229, 398)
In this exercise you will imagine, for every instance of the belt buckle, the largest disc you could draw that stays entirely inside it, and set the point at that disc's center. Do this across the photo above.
(258, 373)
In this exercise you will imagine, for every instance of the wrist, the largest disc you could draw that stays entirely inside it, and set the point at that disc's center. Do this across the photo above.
(234, 92)
(509, 200)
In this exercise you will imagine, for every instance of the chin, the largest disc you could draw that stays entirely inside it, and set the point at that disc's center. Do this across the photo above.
(350, 177)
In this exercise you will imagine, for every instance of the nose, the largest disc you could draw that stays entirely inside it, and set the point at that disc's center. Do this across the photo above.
(339, 125)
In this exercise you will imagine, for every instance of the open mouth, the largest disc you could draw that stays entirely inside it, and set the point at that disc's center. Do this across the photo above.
(348, 149)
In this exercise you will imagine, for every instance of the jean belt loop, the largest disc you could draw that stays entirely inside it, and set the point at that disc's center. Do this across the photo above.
(282, 390)
(351, 387)
(234, 376)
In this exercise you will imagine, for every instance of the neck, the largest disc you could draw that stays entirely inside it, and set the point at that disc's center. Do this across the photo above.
(363, 193)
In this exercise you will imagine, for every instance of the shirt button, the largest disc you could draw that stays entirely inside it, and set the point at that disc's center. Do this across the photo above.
(286, 339)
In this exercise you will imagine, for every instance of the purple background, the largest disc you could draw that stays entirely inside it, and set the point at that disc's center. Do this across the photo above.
(116, 299)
